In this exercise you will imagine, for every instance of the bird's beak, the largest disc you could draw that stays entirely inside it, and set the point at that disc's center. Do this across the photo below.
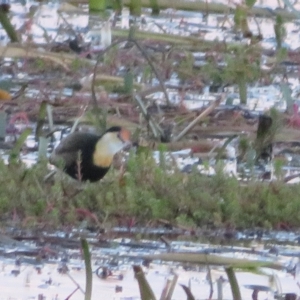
(124, 136)
(127, 145)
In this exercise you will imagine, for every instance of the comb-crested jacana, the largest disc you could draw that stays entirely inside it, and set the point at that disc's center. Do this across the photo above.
(87, 156)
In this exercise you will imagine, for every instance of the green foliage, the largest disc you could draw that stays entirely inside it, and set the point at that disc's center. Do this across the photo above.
(97, 5)
(185, 67)
(135, 7)
(242, 69)
(250, 3)
(117, 5)
(244, 146)
(279, 30)
(41, 119)
(97, 118)
(145, 192)
(155, 7)
(14, 153)
(128, 82)
(7, 26)
(278, 168)
(77, 64)
(146, 74)
(240, 19)
(39, 64)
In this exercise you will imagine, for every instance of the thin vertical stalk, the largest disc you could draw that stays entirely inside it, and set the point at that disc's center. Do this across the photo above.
(236, 294)
(5, 22)
(88, 269)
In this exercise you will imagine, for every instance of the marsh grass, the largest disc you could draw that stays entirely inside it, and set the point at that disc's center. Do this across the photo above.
(145, 192)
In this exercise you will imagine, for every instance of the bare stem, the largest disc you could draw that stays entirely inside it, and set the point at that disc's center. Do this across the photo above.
(161, 83)
(94, 98)
(155, 128)
(206, 112)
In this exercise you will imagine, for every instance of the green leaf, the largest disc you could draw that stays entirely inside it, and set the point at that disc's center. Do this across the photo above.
(43, 145)
(240, 15)
(135, 7)
(145, 289)
(97, 5)
(233, 283)
(41, 119)
(155, 7)
(213, 259)
(281, 54)
(242, 83)
(14, 153)
(88, 269)
(250, 3)
(128, 82)
(131, 33)
(117, 5)
(8, 27)
(279, 31)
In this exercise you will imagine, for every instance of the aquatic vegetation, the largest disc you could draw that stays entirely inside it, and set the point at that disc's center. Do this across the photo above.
(145, 192)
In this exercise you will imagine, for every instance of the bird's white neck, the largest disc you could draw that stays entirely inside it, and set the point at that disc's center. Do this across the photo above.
(106, 148)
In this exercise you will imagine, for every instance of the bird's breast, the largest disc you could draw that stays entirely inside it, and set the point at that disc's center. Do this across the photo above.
(102, 160)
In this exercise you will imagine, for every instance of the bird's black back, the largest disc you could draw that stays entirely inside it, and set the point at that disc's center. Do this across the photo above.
(77, 150)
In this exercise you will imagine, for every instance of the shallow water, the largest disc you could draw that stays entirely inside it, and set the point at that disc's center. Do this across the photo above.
(48, 28)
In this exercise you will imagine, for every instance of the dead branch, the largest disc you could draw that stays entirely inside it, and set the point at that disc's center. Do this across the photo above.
(206, 112)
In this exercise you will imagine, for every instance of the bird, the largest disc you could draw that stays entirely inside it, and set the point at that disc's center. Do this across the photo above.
(88, 156)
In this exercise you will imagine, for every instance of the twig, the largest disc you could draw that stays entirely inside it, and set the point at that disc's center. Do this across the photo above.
(94, 98)
(291, 177)
(211, 286)
(144, 53)
(74, 281)
(62, 59)
(165, 290)
(222, 149)
(69, 297)
(156, 129)
(77, 120)
(292, 8)
(206, 112)
(49, 176)
(70, 28)
(172, 287)
(145, 289)
(78, 163)
(188, 292)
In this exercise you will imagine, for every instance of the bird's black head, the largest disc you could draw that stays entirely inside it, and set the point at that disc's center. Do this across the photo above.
(114, 129)
(120, 132)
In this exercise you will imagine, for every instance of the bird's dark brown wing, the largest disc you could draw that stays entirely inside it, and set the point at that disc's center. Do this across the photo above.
(67, 152)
